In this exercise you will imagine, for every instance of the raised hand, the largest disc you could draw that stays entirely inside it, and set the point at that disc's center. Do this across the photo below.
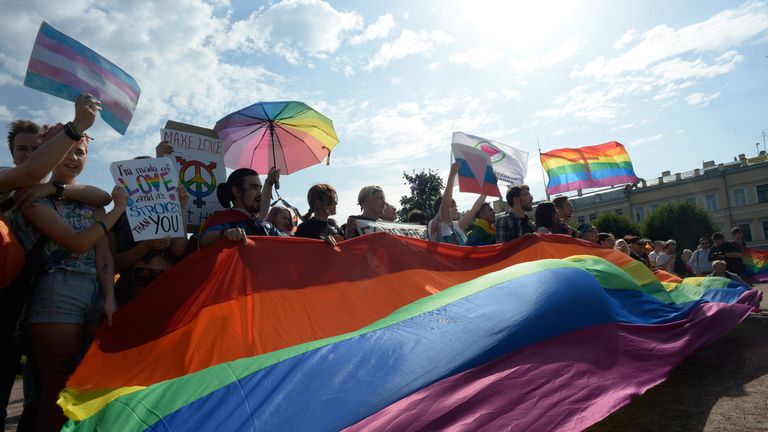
(163, 149)
(120, 197)
(86, 108)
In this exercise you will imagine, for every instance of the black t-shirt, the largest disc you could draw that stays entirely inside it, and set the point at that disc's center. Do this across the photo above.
(315, 228)
(735, 265)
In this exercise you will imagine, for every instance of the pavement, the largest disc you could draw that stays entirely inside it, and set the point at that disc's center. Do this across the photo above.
(722, 388)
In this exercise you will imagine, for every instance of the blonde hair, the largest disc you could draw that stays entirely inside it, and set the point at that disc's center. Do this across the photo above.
(367, 192)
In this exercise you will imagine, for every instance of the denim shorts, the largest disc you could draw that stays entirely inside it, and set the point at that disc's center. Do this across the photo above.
(66, 297)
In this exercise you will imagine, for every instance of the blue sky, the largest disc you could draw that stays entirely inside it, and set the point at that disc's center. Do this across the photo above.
(676, 82)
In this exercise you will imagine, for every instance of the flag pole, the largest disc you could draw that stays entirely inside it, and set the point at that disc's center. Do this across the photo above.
(542, 169)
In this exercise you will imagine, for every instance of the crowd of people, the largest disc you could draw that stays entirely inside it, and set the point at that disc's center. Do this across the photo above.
(73, 247)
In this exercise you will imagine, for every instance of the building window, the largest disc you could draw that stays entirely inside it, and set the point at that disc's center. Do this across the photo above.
(710, 200)
(639, 214)
(654, 207)
(765, 230)
(762, 193)
(739, 197)
(581, 220)
(592, 217)
(620, 212)
(692, 200)
(747, 228)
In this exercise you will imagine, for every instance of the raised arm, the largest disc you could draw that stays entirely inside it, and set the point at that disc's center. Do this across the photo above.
(470, 215)
(273, 179)
(444, 214)
(45, 158)
(48, 222)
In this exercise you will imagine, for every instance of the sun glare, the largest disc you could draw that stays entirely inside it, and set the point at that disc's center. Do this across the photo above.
(517, 25)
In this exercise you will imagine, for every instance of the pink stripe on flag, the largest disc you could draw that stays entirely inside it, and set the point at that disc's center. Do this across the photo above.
(65, 77)
(569, 382)
(64, 51)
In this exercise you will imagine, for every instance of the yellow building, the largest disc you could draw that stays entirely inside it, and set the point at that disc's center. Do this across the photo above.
(735, 194)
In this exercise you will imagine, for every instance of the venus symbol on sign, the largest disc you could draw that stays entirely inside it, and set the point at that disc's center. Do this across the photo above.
(197, 185)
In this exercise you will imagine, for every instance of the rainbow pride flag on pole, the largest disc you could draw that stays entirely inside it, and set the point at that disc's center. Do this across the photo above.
(385, 332)
(63, 67)
(587, 167)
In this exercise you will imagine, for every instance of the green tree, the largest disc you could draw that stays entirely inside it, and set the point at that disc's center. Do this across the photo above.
(681, 221)
(426, 186)
(618, 225)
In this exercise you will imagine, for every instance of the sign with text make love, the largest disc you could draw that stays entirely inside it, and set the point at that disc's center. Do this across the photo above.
(198, 155)
(154, 209)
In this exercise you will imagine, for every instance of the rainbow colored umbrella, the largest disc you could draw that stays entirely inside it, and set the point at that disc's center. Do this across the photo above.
(288, 135)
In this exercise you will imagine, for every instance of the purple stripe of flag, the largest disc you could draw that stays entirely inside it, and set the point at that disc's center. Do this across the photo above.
(585, 184)
(569, 382)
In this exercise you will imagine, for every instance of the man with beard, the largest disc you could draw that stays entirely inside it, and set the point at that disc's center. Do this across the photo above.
(516, 222)
(242, 192)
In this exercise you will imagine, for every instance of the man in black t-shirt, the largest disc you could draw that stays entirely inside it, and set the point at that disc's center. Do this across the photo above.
(729, 252)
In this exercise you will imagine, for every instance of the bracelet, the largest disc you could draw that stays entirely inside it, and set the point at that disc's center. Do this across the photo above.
(104, 227)
(59, 186)
(71, 132)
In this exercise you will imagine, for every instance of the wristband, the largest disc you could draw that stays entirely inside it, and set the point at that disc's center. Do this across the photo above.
(221, 233)
(104, 227)
(59, 194)
(72, 133)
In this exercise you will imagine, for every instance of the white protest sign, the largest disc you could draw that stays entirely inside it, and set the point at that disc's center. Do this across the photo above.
(198, 155)
(403, 229)
(153, 210)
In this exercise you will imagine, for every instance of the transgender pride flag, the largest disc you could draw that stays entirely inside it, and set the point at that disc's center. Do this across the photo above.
(63, 67)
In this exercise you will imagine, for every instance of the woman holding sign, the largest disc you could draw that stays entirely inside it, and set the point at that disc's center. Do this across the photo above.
(76, 280)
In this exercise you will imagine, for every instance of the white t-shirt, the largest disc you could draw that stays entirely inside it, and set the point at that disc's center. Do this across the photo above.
(446, 235)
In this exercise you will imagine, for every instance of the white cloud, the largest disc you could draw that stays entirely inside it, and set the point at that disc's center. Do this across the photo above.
(658, 64)
(511, 94)
(433, 66)
(482, 56)
(645, 140)
(377, 30)
(395, 81)
(701, 99)
(291, 29)
(410, 130)
(478, 57)
(628, 37)
(720, 32)
(5, 114)
(348, 71)
(407, 44)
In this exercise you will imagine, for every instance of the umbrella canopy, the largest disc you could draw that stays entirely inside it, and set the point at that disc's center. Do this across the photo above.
(288, 135)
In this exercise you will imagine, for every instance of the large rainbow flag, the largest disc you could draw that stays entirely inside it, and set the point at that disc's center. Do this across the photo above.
(587, 167)
(387, 332)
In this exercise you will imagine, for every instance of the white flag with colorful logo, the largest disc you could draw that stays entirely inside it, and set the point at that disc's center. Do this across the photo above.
(509, 164)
